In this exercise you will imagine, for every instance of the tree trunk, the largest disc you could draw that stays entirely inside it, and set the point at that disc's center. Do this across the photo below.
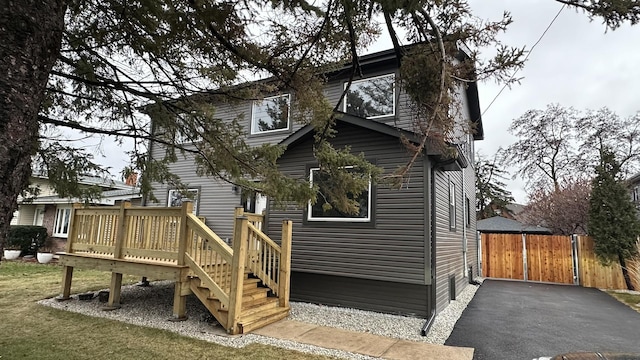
(625, 272)
(31, 33)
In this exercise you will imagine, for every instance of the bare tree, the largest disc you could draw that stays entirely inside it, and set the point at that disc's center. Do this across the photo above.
(545, 151)
(565, 210)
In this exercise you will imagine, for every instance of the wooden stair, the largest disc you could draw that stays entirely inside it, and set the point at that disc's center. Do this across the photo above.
(258, 307)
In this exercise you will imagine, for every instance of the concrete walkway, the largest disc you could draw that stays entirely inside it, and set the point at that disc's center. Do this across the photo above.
(361, 343)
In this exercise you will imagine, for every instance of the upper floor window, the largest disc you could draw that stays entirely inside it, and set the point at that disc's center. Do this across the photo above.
(270, 114)
(316, 212)
(372, 98)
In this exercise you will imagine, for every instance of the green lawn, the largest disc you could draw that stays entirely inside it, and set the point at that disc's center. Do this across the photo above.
(32, 331)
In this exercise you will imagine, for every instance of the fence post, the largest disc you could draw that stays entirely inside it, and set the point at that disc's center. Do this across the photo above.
(525, 271)
(285, 263)
(576, 259)
(237, 273)
(116, 278)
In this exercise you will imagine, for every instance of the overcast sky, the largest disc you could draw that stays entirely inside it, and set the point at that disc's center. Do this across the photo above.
(576, 64)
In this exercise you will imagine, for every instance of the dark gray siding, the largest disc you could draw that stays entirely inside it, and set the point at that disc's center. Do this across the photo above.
(390, 249)
(472, 246)
(449, 261)
(217, 199)
(373, 295)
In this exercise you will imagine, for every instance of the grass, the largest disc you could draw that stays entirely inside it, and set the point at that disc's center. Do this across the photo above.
(632, 300)
(32, 331)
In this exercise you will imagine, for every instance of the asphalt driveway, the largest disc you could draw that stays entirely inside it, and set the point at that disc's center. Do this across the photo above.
(519, 320)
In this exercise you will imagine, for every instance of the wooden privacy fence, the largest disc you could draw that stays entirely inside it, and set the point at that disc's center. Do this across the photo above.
(549, 258)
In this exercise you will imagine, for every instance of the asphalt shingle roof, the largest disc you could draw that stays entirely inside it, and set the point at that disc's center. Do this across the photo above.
(499, 224)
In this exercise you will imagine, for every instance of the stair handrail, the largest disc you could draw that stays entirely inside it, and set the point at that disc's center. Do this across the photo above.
(265, 258)
(204, 248)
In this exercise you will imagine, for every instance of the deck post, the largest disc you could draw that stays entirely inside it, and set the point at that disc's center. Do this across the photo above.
(239, 211)
(122, 227)
(179, 299)
(115, 287)
(67, 271)
(67, 275)
(187, 208)
(241, 233)
(285, 263)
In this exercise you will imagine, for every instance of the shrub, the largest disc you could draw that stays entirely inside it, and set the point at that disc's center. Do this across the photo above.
(28, 238)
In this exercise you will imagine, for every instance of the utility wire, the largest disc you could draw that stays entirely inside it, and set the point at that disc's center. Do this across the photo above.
(525, 59)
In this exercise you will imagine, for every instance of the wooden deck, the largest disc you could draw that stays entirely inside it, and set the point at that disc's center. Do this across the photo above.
(244, 287)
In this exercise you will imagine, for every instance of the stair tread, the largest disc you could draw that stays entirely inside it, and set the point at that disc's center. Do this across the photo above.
(252, 318)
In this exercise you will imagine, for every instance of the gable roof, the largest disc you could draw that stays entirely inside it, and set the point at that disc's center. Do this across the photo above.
(498, 224)
(307, 131)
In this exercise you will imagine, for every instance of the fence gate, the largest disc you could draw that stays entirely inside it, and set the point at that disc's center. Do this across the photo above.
(544, 258)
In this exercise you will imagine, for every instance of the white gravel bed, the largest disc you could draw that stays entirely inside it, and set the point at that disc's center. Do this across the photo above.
(152, 307)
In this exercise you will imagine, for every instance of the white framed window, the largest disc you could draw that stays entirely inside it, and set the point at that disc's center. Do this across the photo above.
(452, 205)
(316, 212)
(270, 114)
(372, 97)
(61, 222)
(175, 198)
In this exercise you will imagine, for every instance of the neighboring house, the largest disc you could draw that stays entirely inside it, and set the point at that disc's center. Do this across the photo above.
(408, 251)
(51, 211)
(501, 225)
(633, 183)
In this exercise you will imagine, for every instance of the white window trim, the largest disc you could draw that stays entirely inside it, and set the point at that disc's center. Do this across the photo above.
(253, 130)
(344, 103)
(196, 200)
(339, 219)
(453, 211)
(59, 226)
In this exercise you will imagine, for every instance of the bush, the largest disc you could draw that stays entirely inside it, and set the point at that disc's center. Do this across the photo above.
(28, 238)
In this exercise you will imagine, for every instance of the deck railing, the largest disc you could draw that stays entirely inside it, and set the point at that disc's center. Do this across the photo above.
(145, 234)
(175, 236)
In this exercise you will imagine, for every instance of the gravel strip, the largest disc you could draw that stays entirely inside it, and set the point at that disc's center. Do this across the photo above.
(152, 307)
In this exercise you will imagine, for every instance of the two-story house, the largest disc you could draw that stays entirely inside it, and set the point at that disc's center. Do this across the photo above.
(409, 250)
